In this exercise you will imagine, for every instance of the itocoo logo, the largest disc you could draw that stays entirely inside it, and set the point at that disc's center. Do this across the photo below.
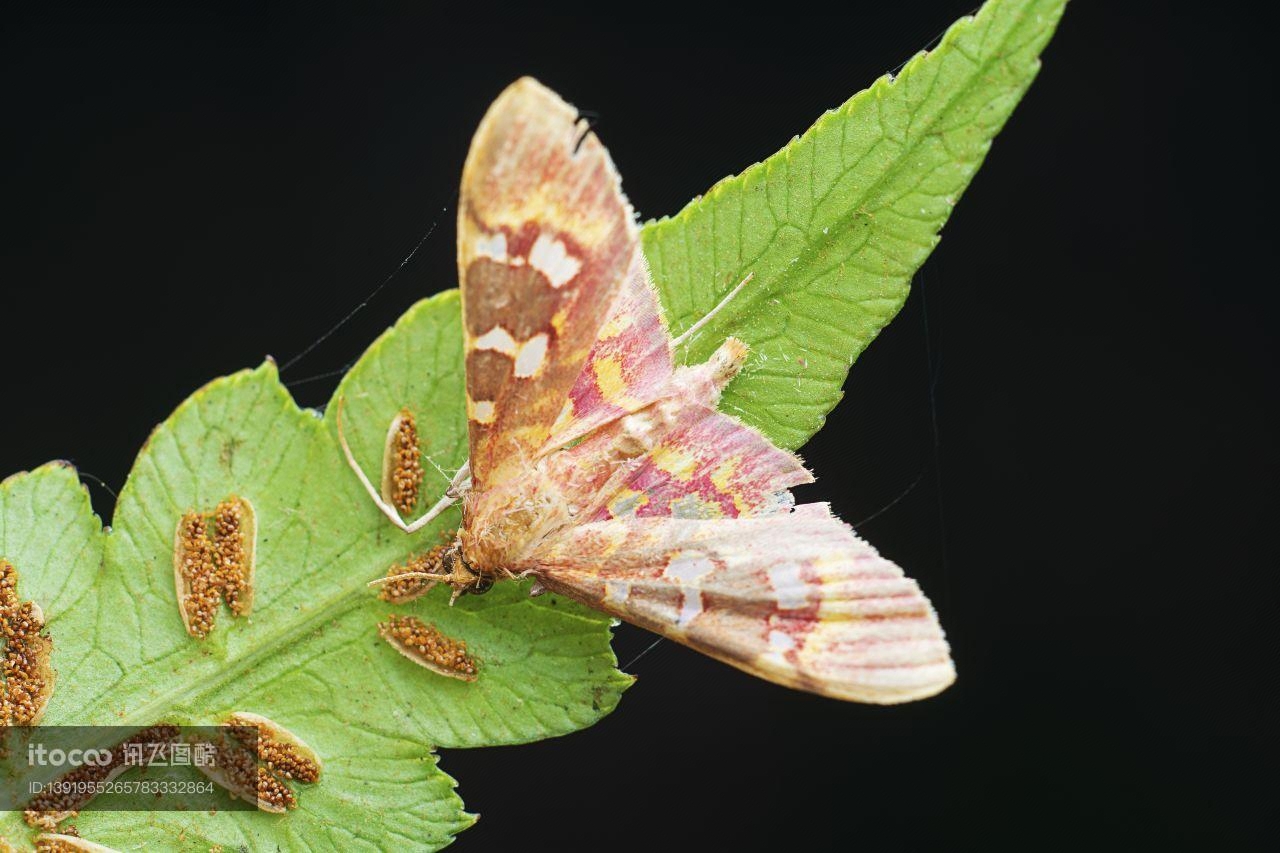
(38, 755)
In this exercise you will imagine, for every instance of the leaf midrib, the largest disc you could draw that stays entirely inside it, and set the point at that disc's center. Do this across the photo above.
(346, 597)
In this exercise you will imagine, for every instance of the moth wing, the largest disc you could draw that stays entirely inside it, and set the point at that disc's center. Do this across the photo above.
(630, 364)
(677, 456)
(705, 465)
(796, 598)
(545, 240)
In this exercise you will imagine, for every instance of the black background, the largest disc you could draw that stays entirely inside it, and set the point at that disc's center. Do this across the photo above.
(1082, 384)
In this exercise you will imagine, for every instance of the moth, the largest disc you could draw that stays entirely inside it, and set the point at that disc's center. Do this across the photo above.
(605, 472)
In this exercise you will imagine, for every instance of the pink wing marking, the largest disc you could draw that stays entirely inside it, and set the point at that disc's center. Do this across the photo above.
(629, 366)
(708, 465)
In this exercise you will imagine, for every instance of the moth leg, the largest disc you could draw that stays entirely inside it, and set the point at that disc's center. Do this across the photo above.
(456, 487)
(536, 588)
(460, 483)
(693, 330)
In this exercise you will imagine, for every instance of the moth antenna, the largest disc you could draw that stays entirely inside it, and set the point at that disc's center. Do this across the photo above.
(427, 575)
(697, 327)
(449, 498)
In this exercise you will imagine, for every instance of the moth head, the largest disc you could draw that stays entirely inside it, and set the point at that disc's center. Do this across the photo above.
(443, 564)
(463, 578)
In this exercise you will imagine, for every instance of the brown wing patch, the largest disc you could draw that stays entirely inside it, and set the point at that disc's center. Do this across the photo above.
(545, 238)
(492, 290)
(488, 373)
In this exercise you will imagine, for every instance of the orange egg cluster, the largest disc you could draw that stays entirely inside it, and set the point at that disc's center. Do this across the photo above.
(198, 572)
(28, 675)
(213, 560)
(230, 558)
(402, 464)
(67, 841)
(281, 752)
(426, 646)
(58, 803)
(255, 759)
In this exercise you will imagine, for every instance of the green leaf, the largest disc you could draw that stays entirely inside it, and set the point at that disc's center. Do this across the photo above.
(308, 656)
(835, 224)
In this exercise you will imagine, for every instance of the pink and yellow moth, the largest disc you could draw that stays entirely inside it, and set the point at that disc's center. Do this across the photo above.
(606, 473)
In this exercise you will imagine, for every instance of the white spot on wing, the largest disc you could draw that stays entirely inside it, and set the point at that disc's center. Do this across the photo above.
(492, 246)
(690, 607)
(482, 412)
(781, 641)
(533, 353)
(788, 586)
(552, 259)
(616, 592)
(497, 339)
(688, 570)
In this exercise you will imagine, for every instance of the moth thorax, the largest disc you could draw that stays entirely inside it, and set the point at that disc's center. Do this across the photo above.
(501, 524)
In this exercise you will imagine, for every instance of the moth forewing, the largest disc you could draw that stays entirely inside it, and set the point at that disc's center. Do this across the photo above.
(545, 239)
